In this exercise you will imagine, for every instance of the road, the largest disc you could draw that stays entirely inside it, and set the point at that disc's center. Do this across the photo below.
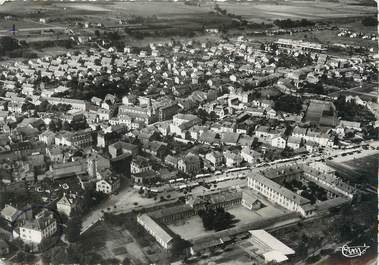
(33, 29)
(352, 90)
(129, 198)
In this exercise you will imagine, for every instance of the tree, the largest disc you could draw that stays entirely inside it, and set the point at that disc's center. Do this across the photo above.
(126, 261)
(217, 219)
(42, 107)
(288, 130)
(91, 258)
(351, 111)
(58, 255)
(369, 21)
(179, 246)
(8, 44)
(66, 126)
(73, 229)
(112, 261)
(288, 103)
(287, 152)
(53, 126)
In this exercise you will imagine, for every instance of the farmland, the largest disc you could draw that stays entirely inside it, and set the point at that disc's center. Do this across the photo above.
(253, 11)
(173, 14)
(296, 10)
(141, 22)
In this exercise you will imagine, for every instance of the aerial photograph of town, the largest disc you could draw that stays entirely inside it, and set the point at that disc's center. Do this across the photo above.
(174, 132)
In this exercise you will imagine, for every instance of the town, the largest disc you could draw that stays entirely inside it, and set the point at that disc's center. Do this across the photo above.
(187, 151)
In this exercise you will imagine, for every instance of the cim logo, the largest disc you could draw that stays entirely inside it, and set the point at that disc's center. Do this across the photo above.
(353, 251)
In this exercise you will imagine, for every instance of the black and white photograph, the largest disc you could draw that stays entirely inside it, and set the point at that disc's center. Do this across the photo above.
(189, 132)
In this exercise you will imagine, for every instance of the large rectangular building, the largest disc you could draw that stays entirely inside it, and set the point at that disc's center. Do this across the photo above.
(154, 229)
(280, 195)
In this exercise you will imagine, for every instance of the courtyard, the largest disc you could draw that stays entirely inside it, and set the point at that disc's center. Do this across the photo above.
(193, 227)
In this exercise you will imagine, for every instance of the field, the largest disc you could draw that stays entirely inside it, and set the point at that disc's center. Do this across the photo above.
(147, 21)
(296, 10)
(368, 92)
(253, 11)
(113, 242)
(367, 167)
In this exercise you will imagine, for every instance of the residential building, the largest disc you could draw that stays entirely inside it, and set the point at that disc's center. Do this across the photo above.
(119, 148)
(140, 164)
(278, 142)
(232, 159)
(67, 204)
(41, 227)
(215, 157)
(108, 185)
(47, 137)
(10, 213)
(190, 164)
(55, 154)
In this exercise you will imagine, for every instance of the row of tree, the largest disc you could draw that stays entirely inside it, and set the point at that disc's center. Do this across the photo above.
(289, 23)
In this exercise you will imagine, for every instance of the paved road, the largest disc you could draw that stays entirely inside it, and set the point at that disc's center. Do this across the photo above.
(33, 29)
(126, 200)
